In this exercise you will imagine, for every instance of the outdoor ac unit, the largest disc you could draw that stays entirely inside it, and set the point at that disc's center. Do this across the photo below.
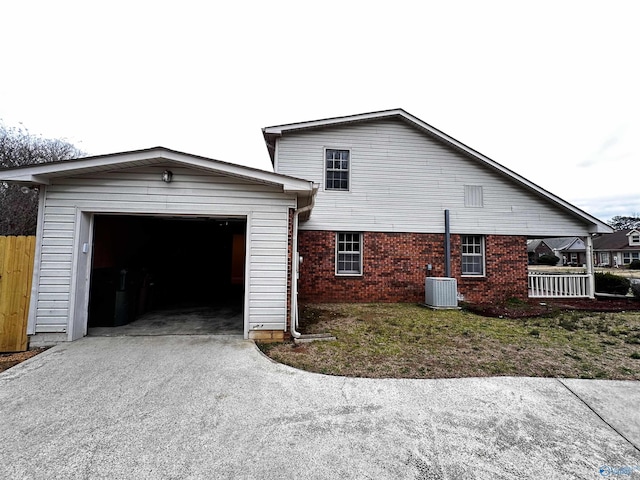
(441, 292)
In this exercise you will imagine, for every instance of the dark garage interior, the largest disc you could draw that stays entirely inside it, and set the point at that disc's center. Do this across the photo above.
(146, 264)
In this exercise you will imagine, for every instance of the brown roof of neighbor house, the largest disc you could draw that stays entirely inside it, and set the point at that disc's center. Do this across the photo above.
(618, 240)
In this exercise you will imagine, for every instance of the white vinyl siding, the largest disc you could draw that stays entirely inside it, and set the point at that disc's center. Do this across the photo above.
(402, 180)
(192, 192)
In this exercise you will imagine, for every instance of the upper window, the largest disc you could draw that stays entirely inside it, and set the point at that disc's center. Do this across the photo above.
(634, 239)
(472, 255)
(337, 169)
(348, 253)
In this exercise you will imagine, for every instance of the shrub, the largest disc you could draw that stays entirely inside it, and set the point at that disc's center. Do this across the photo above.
(634, 265)
(609, 283)
(548, 259)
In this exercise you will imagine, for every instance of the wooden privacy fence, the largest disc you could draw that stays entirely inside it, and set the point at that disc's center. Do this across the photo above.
(16, 269)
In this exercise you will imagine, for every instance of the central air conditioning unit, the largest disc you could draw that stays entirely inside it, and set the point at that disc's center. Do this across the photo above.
(441, 292)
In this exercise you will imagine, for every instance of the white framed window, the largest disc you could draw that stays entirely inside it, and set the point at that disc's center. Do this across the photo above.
(337, 167)
(348, 253)
(472, 255)
(634, 239)
(628, 257)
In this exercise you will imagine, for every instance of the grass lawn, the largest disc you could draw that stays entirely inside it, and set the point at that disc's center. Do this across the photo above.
(410, 341)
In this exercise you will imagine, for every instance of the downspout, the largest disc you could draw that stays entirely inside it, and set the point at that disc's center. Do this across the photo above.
(447, 245)
(294, 267)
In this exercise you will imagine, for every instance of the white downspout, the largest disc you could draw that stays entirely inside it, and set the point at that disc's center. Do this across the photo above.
(294, 267)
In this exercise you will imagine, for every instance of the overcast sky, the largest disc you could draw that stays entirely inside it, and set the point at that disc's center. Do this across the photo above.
(549, 89)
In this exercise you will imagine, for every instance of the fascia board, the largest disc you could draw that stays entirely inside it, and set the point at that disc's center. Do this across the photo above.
(40, 173)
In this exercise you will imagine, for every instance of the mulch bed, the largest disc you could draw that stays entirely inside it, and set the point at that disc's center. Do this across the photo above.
(542, 307)
(8, 360)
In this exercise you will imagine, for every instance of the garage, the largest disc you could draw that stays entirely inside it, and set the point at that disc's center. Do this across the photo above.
(124, 235)
(158, 274)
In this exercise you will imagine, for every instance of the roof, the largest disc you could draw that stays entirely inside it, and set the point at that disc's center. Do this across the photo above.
(43, 173)
(618, 240)
(271, 134)
(564, 243)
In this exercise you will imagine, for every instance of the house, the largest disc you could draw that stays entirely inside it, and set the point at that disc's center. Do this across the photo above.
(358, 209)
(569, 250)
(618, 248)
(392, 190)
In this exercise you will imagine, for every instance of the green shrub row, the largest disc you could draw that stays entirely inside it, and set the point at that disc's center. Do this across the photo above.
(614, 284)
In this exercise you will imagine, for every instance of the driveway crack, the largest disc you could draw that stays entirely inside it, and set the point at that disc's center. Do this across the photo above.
(598, 415)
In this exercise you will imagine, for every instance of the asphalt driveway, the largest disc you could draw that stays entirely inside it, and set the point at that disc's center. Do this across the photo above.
(214, 407)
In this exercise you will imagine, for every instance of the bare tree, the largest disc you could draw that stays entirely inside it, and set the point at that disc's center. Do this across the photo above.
(621, 222)
(18, 147)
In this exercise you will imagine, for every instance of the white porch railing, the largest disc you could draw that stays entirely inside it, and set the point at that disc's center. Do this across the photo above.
(561, 285)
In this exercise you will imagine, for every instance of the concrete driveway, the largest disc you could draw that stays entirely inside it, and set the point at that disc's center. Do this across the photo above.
(214, 407)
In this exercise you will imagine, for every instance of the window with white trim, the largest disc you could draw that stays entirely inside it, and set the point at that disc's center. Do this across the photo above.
(336, 169)
(472, 255)
(634, 239)
(628, 257)
(348, 253)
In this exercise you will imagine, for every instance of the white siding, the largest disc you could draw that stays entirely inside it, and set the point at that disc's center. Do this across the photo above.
(402, 180)
(192, 192)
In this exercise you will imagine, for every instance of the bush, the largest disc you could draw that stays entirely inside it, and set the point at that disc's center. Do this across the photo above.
(634, 265)
(609, 283)
(548, 259)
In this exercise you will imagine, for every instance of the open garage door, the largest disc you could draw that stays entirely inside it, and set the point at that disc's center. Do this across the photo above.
(164, 269)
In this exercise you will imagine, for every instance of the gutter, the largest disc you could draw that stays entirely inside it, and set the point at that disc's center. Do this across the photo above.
(295, 264)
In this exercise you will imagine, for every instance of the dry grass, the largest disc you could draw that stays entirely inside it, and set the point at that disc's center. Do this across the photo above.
(409, 341)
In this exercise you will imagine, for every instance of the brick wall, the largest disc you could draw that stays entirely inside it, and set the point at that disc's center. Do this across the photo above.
(395, 267)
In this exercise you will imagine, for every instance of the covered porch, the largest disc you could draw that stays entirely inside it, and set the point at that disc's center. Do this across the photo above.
(544, 283)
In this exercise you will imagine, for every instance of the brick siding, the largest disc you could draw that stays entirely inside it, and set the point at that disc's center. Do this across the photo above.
(394, 268)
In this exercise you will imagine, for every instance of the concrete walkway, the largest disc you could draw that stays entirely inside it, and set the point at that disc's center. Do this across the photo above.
(214, 407)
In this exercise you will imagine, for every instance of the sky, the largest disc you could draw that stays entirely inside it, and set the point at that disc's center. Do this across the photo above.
(549, 89)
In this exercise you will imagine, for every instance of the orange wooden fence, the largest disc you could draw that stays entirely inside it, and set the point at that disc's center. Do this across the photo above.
(16, 269)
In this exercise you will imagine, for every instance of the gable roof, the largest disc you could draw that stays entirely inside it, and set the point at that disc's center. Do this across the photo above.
(272, 133)
(564, 243)
(42, 173)
(618, 240)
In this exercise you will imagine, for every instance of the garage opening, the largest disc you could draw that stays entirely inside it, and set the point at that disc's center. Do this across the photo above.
(167, 275)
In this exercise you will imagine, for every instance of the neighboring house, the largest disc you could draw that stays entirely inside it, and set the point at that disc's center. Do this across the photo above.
(617, 249)
(372, 203)
(569, 250)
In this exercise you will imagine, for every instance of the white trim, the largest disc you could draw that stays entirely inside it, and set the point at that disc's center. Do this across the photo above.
(483, 244)
(41, 173)
(83, 219)
(247, 275)
(324, 170)
(361, 236)
(35, 279)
